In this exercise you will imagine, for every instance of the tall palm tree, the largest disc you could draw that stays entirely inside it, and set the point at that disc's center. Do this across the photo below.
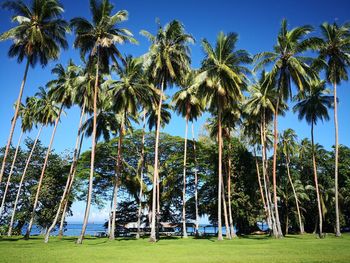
(261, 104)
(65, 89)
(167, 60)
(334, 50)
(30, 118)
(98, 40)
(128, 93)
(225, 80)
(39, 35)
(289, 145)
(190, 107)
(313, 106)
(50, 112)
(288, 65)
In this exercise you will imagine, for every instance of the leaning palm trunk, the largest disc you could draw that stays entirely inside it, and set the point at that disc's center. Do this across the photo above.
(220, 175)
(184, 228)
(233, 234)
(195, 182)
(31, 221)
(301, 226)
(9, 233)
(14, 120)
(117, 177)
(337, 227)
(270, 218)
(60, 232)
(259, 183)
(316, 181)
(140, 172)
(155, 175)
(10, 174)
(275, 140)
(227, 228)
(92, 163)
(69, 178)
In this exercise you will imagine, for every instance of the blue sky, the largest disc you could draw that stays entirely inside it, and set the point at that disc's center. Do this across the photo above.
(256, 22)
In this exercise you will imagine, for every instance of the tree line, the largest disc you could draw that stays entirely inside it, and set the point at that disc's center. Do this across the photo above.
(225, 85)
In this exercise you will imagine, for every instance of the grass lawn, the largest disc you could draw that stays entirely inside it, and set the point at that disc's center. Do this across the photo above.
(305, 248)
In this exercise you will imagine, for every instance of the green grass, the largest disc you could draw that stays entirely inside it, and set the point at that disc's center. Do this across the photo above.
(306, 248)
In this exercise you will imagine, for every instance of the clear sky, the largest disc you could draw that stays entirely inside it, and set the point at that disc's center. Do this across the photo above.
(256, 22)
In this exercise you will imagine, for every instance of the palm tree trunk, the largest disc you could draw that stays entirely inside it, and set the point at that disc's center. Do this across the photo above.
(275, 141)
(9, 233)
(60, 232)
(301, 226)
(92, 164)
(184, 229)
(259, 182)
(316, 180)
(155, 175)
(233, 234)
(10, 174)
(271, 223)
(337, 227)
(69, 178)
(227, 226)
(140, 172)
(195, 182)
(30, 225)
(220, 174)
(117, 177)
(287, 217)
(14, 120)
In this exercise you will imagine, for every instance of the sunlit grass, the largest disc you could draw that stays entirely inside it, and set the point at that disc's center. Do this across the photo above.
(306, 248)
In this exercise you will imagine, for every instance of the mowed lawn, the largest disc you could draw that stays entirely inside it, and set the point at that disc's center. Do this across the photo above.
(305, 248)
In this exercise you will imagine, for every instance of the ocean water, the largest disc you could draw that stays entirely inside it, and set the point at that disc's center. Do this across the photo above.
(74, 229)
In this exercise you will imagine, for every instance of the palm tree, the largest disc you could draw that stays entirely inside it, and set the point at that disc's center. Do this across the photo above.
(128, 93)
(261, 104)
(288, 66)
(39, 35)
(30, 118)
(225, 80)
(289, 145)
(190, 107)
(168, 59)
(313, 106)
(65, 89)
(334, 50)
(98, 39)
(50, 112)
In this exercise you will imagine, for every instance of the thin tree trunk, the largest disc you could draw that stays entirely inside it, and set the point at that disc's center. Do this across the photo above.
(43, 170)
(275, 141)
(184, 229)
(10, 174)
(155, 175)
(69, 178)
(220, 175)
(301, 226)
(14, 120)
(140, 172)
(316, 180)
(232, 232)
(259, 182)
(227, 227)
(195, 182)
(60, 232)
(9, 233)
(287, 218)
(117, 177)
(337, 226)
(92, 164)
(271, 224)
